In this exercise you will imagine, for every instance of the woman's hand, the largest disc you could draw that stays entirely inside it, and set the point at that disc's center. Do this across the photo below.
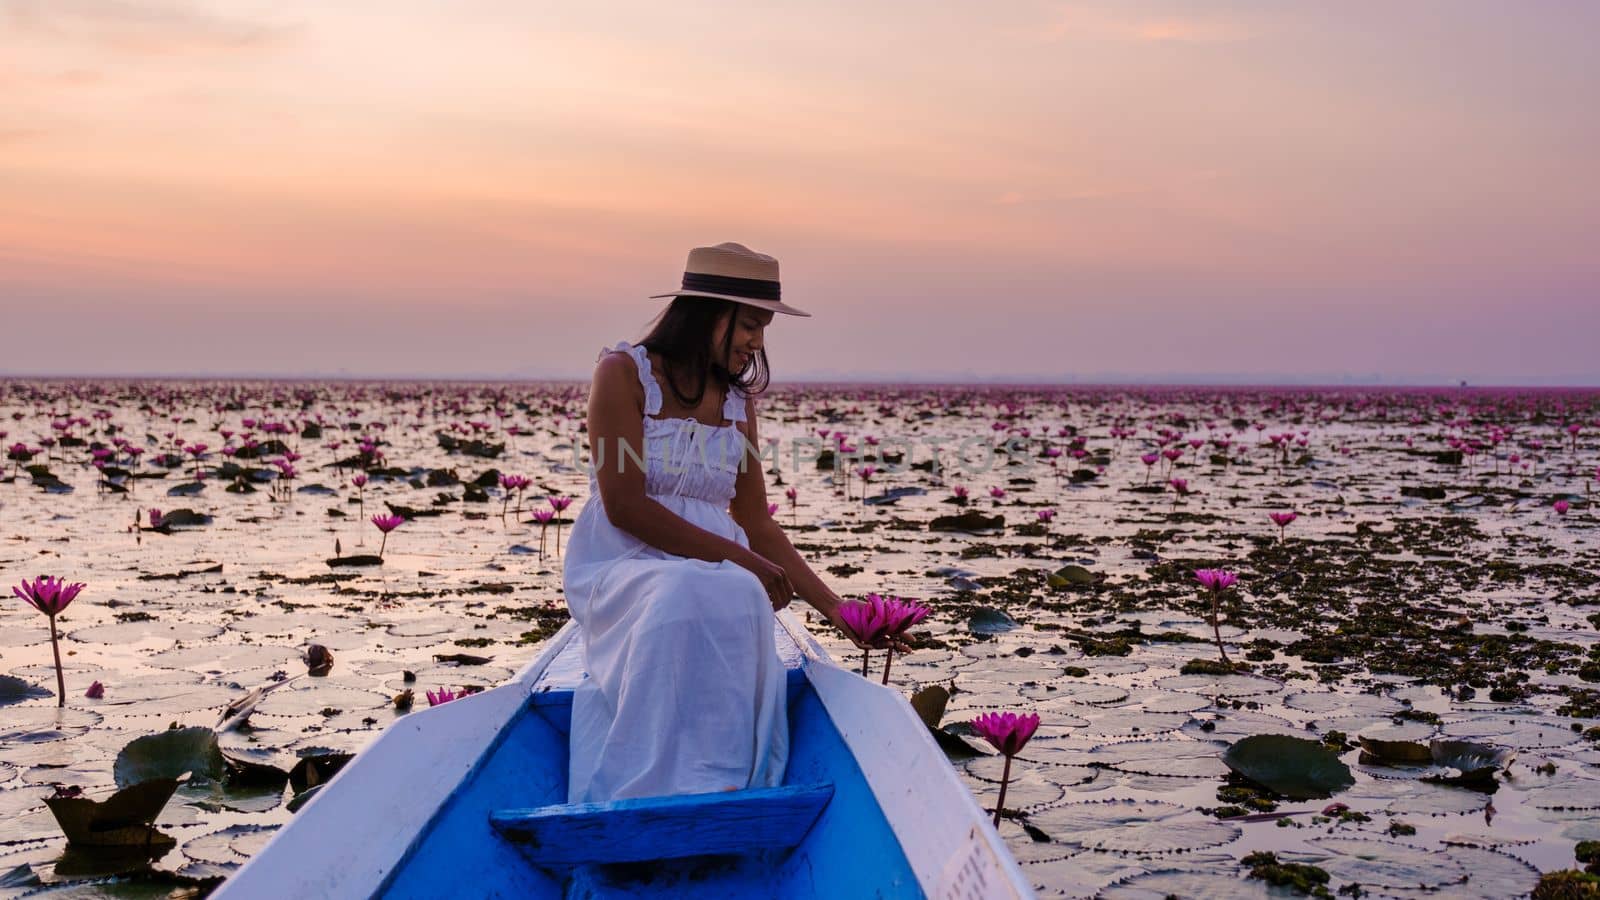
(772, 577)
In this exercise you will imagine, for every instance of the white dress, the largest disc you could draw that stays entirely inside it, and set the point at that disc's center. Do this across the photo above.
(683, 691)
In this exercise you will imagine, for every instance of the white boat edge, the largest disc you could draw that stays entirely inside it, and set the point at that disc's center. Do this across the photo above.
(956, 854)
(347, 849)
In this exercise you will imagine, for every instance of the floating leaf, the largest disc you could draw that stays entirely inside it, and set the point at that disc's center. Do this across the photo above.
(122, 819)
(987, 620)
(1294, 767)
(15, 690)
(1473, 764)
(1387, 864)
(893, 495)
(1213, 885)
(970, 521)
(366, 559)
(1220, 685)
(1176, 758)
(929, 704)
(1376, 751)
(170, 754)
(315, 771)
(1070, 575)
(1129, 826)
(35, 724)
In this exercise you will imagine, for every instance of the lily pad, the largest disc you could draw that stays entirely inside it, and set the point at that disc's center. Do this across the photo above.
(971, 522)
(1070, 575)
(987, 620)
(1221, 685)
(1130, 826)
(929, 704)
(1467, 763)
(15, 690)
(33, 724)
(1175, 758)
(168, 755)
(1386, 863)
(1190, 885)
(1294, 767)
(122, 819)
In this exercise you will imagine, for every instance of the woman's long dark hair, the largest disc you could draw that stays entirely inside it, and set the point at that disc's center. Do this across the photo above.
(682, 337)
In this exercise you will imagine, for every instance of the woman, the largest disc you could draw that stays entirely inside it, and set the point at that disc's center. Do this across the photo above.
(675, 567)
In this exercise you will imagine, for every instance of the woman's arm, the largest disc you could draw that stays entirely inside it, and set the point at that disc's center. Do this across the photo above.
(767, 537)
(616, 418)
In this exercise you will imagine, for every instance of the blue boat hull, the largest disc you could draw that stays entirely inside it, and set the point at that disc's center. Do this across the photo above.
(851, 851)
(467, 799)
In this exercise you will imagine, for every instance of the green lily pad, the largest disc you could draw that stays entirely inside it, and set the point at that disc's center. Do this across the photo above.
(1130, 826)
(123, 818)
(970, 521)
(170, 754)
(1294, 767)
(1467, 763)
(987, 620)
(1070, 575)
(1387, 863)
(15, 690)
(929, 704)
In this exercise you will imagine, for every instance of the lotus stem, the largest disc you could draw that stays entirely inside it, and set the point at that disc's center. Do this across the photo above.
(61, 681)
(888, 660)
(1216, 625)
(1000, 805)
(865, 654)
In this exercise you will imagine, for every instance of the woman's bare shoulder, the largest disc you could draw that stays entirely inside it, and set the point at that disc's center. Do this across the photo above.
(616, 376)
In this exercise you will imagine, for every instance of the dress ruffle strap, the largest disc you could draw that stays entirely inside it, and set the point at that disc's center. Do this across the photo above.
(641, 362)
(733, 408)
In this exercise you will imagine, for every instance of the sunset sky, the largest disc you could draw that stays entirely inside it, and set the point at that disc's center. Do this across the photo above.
(1078, 190)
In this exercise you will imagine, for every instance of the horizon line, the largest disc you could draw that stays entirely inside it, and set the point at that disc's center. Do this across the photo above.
(1108, 380)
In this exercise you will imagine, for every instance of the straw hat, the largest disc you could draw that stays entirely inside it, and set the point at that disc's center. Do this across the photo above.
(733, 272)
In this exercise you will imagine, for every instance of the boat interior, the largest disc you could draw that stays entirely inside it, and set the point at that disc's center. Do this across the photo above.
(507, 829)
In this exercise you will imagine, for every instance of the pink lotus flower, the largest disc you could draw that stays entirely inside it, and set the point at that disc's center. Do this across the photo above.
(386, 524)
(878, 621)
(96, 691)
(359, 481)
(1007, 732)
(772, 508)
(155, 517)
(1282, 520)
(50, 596)
(997, 493)
(1181, 485)
(558, 504)
(1561, 507)
(792, 494)
(1217, 581)
(543, 517)
(443, 695)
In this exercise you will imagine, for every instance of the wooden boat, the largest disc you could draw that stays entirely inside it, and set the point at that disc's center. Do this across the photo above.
(467, 800)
